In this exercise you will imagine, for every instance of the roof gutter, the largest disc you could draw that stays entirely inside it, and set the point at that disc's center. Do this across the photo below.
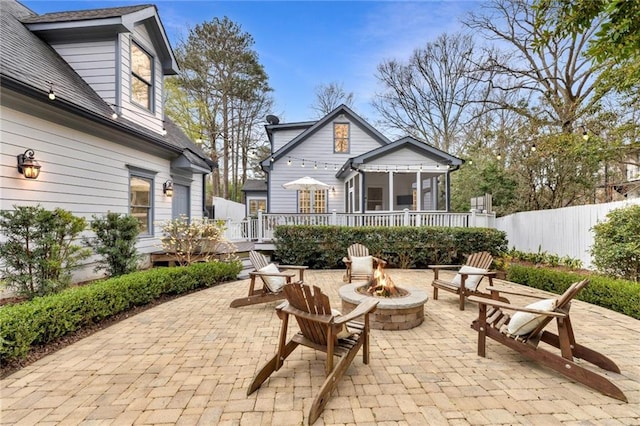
(37, 94)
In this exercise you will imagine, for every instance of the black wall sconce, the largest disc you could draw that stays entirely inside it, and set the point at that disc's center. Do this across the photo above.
(167, 188)
(28, 166)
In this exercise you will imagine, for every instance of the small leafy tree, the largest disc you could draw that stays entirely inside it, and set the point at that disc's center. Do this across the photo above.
(193, 239)
(616, 247)
(38, 250)
(115, 240)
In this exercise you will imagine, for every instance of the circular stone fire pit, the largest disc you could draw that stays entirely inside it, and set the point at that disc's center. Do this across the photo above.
(393, 313)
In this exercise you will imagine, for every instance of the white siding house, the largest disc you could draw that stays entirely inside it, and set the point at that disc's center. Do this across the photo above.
(365, 171)
(100, 147)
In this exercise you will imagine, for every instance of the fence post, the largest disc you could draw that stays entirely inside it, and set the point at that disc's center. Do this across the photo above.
(405, 220)
(334, 217)
(491, 221)
(260, 227)
(472, 223)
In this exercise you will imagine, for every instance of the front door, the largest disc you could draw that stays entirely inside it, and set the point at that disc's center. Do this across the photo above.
(180, 201)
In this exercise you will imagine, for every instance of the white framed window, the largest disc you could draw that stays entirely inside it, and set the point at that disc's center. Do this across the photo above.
(141, 77)
(312, 201)
(304, 201)
(341, 137)
(320, 201)
(256, 204)
(141, 199)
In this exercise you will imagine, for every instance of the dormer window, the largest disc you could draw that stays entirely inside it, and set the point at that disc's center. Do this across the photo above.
(141, 77)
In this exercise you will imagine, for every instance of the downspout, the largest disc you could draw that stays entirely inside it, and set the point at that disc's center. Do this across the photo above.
(205, 212)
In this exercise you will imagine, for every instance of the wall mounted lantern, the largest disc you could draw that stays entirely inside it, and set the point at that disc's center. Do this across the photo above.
(167, 188)
(27, 165)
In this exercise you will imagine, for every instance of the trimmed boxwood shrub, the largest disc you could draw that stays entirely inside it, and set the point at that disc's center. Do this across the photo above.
(618, 295)
(45, 319)
(616, 243)
(323, 247)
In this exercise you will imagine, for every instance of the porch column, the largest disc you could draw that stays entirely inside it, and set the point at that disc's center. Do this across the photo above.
(390, 191)
(363, 195)
(418, 191)
(447, 189)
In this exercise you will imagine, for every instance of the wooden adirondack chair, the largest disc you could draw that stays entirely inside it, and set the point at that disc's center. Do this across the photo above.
(359, 251)
(468, 278)
(318, 330)
(273, 277)
(493, 322)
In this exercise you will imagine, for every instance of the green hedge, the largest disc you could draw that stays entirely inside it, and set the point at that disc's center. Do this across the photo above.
(323, 247)
(45, 319)
(611, 293)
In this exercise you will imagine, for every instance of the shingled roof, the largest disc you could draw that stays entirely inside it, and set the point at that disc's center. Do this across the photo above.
(81, 15)
(30, 66)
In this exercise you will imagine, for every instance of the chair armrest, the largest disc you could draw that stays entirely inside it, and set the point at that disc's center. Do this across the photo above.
(272, 274)
(484, 274)
(507, 306)
(514, 292)
(346, 260)
(366, 307)
(444, 266)
(297, 267)
(378, 260)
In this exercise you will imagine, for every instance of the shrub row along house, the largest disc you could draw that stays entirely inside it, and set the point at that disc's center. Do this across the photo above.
(82, 99)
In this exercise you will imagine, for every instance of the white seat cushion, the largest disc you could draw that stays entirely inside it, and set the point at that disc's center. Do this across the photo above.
(472, 281)
(361, 265)
(275, 284)
(522, 323)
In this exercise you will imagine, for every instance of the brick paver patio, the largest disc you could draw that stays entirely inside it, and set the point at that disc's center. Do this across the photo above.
(190, 361)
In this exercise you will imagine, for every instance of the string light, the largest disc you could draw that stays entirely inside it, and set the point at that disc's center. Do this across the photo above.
(115, 115)
(533, 148)
(52, 95)
(411, 167)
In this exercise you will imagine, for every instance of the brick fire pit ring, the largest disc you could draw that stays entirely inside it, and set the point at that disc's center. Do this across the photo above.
(393, 313)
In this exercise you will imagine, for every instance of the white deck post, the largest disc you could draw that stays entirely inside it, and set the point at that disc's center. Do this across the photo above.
(334, 217)
(405, 220)
(260, 227)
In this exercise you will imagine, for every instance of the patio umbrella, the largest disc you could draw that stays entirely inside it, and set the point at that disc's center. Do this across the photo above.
(306, 183)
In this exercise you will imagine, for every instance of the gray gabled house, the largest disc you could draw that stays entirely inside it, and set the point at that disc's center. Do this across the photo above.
(82, 95)
(364, 171)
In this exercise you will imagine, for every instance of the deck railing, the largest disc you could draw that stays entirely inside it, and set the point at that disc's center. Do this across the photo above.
(261, 228)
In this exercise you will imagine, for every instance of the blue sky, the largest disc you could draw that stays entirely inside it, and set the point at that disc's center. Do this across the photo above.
(303, 44)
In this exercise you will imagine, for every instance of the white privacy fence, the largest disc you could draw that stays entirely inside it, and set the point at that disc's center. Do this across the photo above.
(565, 232)
(262, 227)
